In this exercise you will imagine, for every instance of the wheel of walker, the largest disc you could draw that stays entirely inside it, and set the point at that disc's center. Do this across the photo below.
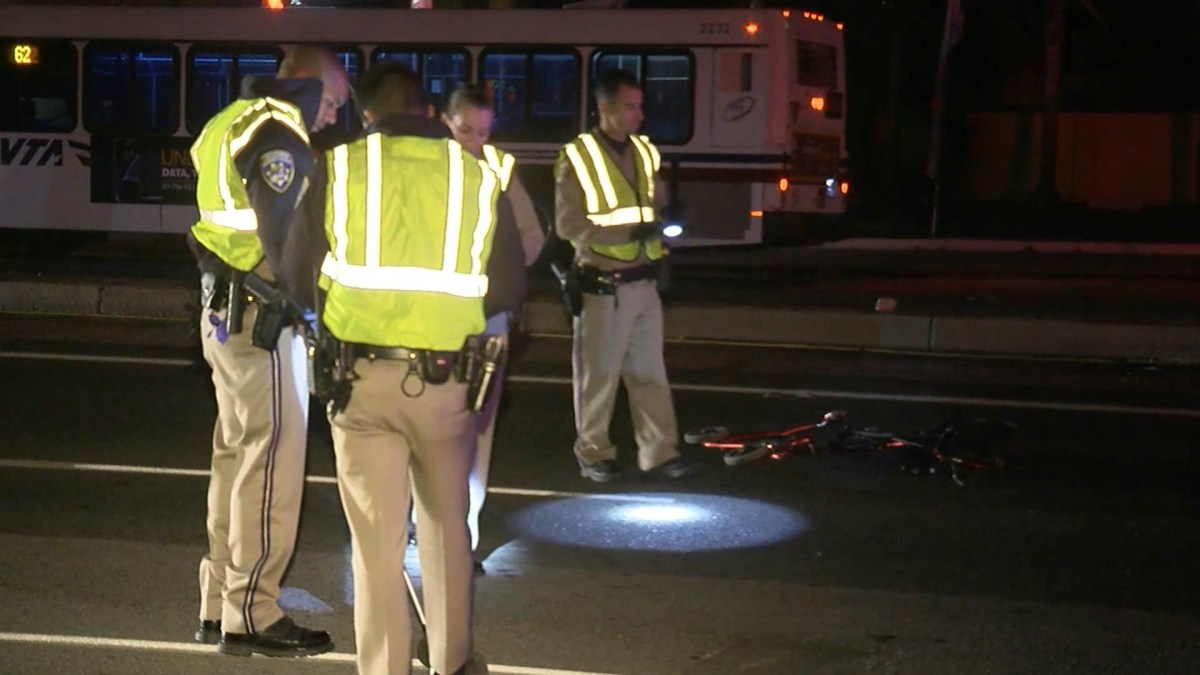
(706, 434)
(749, 453)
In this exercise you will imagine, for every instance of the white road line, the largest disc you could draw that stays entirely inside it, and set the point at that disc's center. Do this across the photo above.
(96, 358)
(208, 650)
(46, 465)
(723, 389)
(906, 398)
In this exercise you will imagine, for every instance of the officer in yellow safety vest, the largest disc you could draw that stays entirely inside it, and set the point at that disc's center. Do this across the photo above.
(253, 162)
(409, 221)
(607, 197)
(469, 115)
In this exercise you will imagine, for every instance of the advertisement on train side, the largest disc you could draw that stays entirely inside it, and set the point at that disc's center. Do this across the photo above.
(142, 170)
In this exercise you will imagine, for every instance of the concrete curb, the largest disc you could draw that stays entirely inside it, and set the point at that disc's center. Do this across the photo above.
(718, 323)
(89, 298)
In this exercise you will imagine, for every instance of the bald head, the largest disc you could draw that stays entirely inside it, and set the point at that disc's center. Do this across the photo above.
(318, 63)
(300, 61)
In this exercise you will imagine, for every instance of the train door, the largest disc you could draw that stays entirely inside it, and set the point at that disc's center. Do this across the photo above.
(739, 111)
(717, 184)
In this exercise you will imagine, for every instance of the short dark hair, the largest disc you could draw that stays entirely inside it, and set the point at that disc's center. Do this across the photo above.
(474, 95)
(611, 81)
(389, 87)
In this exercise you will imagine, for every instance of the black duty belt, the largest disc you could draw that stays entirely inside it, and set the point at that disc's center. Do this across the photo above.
(433, 367)
(396, 353)
(617, 276)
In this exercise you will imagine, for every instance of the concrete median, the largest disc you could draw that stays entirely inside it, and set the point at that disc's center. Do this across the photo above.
(724, 322)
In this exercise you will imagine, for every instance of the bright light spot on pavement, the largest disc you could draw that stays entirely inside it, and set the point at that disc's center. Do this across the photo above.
(672, 230)
(656, 513)
(665, 522)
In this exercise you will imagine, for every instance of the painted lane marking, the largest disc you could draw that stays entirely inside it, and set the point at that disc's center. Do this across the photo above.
(1067, 406)
(208, 650)
(46, 465)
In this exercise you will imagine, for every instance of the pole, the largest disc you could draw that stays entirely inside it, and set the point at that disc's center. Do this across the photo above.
(1047, 192)
(951, 32)
(892, 121)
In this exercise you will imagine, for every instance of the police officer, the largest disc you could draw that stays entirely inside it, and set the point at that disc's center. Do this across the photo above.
(409, 221)
(469, 115)
(253, 162)
(606, 197)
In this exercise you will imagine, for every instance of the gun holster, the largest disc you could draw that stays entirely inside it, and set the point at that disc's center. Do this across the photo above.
(273, 312)
(214, 291)
(478, 365)
(323, 352)
(572, 292)
(237, 303)
(330, 374)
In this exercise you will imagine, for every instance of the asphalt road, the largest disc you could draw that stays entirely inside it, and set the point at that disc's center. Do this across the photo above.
(1079, 557)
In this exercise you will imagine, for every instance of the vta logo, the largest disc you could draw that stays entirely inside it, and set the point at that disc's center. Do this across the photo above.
(737, 109)
(18, 151)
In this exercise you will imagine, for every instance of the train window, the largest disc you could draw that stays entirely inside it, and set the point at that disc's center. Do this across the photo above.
(668, 81)
(536, 94)
(37, 85)
(349, 119)
(816, 65)
(215, 76)
(130, 88)
(441, 70)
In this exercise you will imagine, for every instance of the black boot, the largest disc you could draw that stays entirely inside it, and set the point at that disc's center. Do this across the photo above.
(209, 632)
(282, 638)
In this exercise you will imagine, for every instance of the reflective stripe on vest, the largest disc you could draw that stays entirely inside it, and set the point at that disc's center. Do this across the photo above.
(628, 215)
(243, 220)
(501, 162)
(371, 274)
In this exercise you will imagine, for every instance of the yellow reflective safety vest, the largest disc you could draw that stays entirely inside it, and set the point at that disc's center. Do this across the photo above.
(228, 226)
(501, 162)
(609, 199)
(410, 223)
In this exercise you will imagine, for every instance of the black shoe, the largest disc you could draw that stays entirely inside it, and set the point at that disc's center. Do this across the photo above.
(209, 632)
(604, 471)
(282, 638)
(673, 469)
(476, 665)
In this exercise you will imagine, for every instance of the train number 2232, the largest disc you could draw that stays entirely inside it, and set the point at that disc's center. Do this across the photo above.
(714, 28)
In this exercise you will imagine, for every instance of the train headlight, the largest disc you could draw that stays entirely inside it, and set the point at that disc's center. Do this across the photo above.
(672, 230)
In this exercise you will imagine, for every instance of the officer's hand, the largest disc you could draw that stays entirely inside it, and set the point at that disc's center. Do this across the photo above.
(644, 231)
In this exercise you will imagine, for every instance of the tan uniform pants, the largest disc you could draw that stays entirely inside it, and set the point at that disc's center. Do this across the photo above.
(619, 338)
(257, 474)
(380, 435)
